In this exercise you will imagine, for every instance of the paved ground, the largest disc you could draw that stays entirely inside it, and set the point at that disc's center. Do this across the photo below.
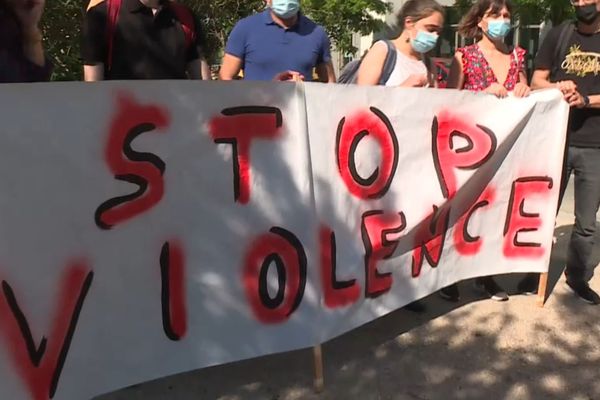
(477, 349)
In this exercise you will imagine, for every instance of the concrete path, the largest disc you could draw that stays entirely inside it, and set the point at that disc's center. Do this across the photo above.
(477, 349)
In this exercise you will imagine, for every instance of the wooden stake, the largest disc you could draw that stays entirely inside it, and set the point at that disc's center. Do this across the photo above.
(318, 358)
(541, 300)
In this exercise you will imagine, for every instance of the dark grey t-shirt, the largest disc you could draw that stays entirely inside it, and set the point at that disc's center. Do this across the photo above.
(581, 64)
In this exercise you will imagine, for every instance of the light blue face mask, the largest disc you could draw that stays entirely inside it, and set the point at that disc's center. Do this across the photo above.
(424, 42)
(285, 8)
(498, 28)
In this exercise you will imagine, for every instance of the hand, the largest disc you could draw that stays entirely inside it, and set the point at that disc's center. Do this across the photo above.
(576, 100)
(29, 14)
(566, 87)
(521, 90)
(416, 80)
(497, 90)
(288, 76)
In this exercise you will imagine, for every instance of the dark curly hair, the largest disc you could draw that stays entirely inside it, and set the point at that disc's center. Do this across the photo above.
(468, 25)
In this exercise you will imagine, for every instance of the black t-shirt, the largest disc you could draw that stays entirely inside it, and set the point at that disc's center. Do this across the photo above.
(581, 65)
(145, 45)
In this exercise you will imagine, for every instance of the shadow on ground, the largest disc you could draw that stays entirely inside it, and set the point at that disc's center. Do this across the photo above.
(474, 349)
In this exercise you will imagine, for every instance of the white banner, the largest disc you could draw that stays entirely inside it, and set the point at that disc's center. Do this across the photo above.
(152, 228)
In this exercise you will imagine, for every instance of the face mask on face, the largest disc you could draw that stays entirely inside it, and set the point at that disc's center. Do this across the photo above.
(424, 42)
(285, 8)
(498, 28)
(586, 14)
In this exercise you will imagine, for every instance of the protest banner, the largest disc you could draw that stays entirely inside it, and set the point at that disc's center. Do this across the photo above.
(152, 228)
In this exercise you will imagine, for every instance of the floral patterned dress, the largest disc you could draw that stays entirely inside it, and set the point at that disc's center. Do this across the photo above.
(478, 73)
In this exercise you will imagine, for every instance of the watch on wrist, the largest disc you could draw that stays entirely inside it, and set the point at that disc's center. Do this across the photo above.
(586, 101)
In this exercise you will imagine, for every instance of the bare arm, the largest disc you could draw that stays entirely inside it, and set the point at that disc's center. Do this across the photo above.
(231, 67)
(371, 66)
(541, 79)
(326, 73)
(93, 73)
(456, 77)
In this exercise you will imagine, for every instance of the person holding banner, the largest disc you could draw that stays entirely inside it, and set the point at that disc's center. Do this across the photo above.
(280, 44)
(421, 22)
(488, 66)
(142, 39)
(22, 57)
(569, 61)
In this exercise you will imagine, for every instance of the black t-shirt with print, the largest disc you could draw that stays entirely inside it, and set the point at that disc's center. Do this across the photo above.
(581, 65)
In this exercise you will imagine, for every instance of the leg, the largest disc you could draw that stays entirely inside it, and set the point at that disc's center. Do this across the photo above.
(586, 165)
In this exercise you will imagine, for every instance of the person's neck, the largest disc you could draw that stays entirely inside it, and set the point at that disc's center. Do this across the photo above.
(154, 4)
(402, 43)
(492, 45)
(284, 22)
(591, 28)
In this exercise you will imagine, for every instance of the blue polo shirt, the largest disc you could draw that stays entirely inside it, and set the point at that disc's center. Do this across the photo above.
(267, 49)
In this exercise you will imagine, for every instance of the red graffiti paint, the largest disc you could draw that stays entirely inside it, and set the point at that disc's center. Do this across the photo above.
(280, 249)
(351, 131)
(376, 229)
(40, 366)
(480, 148)
(144, 170)
(464, 242)
(429, 241)
(239, 127)
(173, 294)
(520, 221)
(336, 293)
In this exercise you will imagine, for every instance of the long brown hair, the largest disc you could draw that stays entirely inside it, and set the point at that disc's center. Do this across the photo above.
(417, 10)
(468, 26)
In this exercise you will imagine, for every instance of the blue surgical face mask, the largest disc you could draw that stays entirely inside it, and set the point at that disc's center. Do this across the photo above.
(424, 42)
(285, 8)
(498, 28)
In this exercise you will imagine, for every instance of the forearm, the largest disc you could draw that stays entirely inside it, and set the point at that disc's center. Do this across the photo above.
(540, 83)
(33, 49)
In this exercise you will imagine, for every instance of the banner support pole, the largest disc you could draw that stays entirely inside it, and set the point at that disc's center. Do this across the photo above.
(319, 382)
(541, 297)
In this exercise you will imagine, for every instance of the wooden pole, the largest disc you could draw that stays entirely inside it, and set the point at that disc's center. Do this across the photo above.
(543, 286)
(318, 359)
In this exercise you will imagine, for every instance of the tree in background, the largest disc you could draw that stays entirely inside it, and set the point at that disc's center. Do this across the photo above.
(341, 18)
(61, 26)
(533, 11)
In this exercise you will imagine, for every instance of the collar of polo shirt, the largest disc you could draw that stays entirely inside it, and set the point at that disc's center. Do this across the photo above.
(269, 19)
(137, 5)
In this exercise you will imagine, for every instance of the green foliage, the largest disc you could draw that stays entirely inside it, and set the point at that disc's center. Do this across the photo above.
(341, 18)
(61, 26)
(533, 11)
(63, 18)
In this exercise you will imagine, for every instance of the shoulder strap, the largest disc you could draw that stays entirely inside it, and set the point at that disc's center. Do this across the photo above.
(112, 13)
(567, 29)
(186, 19)
(390, 62)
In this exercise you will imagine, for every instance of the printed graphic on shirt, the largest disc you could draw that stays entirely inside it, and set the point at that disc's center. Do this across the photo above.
(581, 63)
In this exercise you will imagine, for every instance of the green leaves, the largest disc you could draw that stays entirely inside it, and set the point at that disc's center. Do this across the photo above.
(341, 18)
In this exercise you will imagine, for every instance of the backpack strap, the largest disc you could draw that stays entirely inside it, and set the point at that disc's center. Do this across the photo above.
(389, 63)
(186, 19)
(567, 29)
(112, 13)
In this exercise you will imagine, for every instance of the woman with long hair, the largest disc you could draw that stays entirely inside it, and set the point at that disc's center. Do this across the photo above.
(490, 66)
(22, 57)
(420, 23)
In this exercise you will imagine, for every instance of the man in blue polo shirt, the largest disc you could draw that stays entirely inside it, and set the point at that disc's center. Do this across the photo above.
(279, 43)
